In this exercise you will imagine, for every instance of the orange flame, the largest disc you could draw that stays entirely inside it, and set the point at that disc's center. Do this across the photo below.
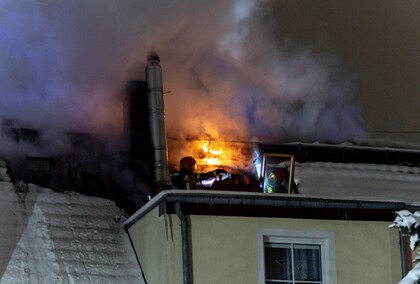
(212, 156)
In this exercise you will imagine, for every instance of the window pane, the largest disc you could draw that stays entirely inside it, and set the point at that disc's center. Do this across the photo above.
(307, 264)
(278, 262)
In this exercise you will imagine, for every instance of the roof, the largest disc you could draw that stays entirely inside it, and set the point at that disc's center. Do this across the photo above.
(50, 237)
(230, 203)
(334, 182)
(362, 181)
(362, 172)
(346, 153)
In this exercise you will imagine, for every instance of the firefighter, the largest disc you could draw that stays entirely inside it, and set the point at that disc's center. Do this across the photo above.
(277, 182)
(188, 178)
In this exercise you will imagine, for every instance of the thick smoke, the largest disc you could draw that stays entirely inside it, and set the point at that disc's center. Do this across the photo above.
(246, 84)
(64, 65)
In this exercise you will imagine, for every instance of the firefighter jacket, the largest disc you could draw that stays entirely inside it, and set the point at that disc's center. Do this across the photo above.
(183, 180)
(192, 180)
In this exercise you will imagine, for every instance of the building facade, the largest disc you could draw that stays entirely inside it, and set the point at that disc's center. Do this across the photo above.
(226, 237)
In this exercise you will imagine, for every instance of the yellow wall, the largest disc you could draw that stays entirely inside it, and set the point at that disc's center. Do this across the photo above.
(157, 242)
(224, 249)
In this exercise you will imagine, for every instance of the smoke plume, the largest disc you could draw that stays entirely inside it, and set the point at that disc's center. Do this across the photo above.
(64, 65)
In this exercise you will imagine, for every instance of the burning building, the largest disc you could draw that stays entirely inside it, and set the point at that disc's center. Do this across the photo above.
(268, 235)
(281, 221)
(151, 157)
(154, 158)
(146, 133)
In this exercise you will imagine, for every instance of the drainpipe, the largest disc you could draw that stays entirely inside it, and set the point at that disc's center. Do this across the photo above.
(403, 254)
(185, 243)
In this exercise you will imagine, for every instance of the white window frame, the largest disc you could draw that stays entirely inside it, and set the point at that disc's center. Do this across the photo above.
(324, 239)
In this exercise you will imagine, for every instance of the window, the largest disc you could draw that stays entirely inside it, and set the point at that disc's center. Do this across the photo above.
(291, 263)
(277, 172)
(296, 257)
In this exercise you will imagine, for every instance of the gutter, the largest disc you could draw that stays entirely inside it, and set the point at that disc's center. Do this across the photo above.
(261, 199)
(185, 243)
(403, 255)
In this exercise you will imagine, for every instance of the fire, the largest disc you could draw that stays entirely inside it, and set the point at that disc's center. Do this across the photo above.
(211, 153)
(212, 156)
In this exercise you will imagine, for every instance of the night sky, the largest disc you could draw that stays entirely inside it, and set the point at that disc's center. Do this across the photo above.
(378, 42)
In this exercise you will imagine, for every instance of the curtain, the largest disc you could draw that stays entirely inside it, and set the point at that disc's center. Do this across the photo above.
(303, 265)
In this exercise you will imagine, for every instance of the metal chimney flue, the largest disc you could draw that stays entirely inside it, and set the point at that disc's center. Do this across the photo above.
(157, 122)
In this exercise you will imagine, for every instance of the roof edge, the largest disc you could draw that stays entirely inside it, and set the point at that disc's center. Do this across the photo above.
(262, 199)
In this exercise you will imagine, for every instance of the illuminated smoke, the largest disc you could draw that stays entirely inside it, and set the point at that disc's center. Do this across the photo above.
(64, 64)
(247, 84)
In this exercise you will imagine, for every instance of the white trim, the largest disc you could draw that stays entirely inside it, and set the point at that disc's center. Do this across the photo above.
(325, 239)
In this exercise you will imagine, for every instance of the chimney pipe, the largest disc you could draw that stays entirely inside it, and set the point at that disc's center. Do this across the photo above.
(157, 122)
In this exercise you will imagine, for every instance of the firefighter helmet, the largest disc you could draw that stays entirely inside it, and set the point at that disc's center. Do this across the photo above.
(187, 163)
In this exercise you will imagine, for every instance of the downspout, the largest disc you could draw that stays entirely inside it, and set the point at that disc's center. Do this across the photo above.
(185, 243)
(403, 254)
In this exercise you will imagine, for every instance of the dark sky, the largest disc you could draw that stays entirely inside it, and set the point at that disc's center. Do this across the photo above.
(378, 42)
